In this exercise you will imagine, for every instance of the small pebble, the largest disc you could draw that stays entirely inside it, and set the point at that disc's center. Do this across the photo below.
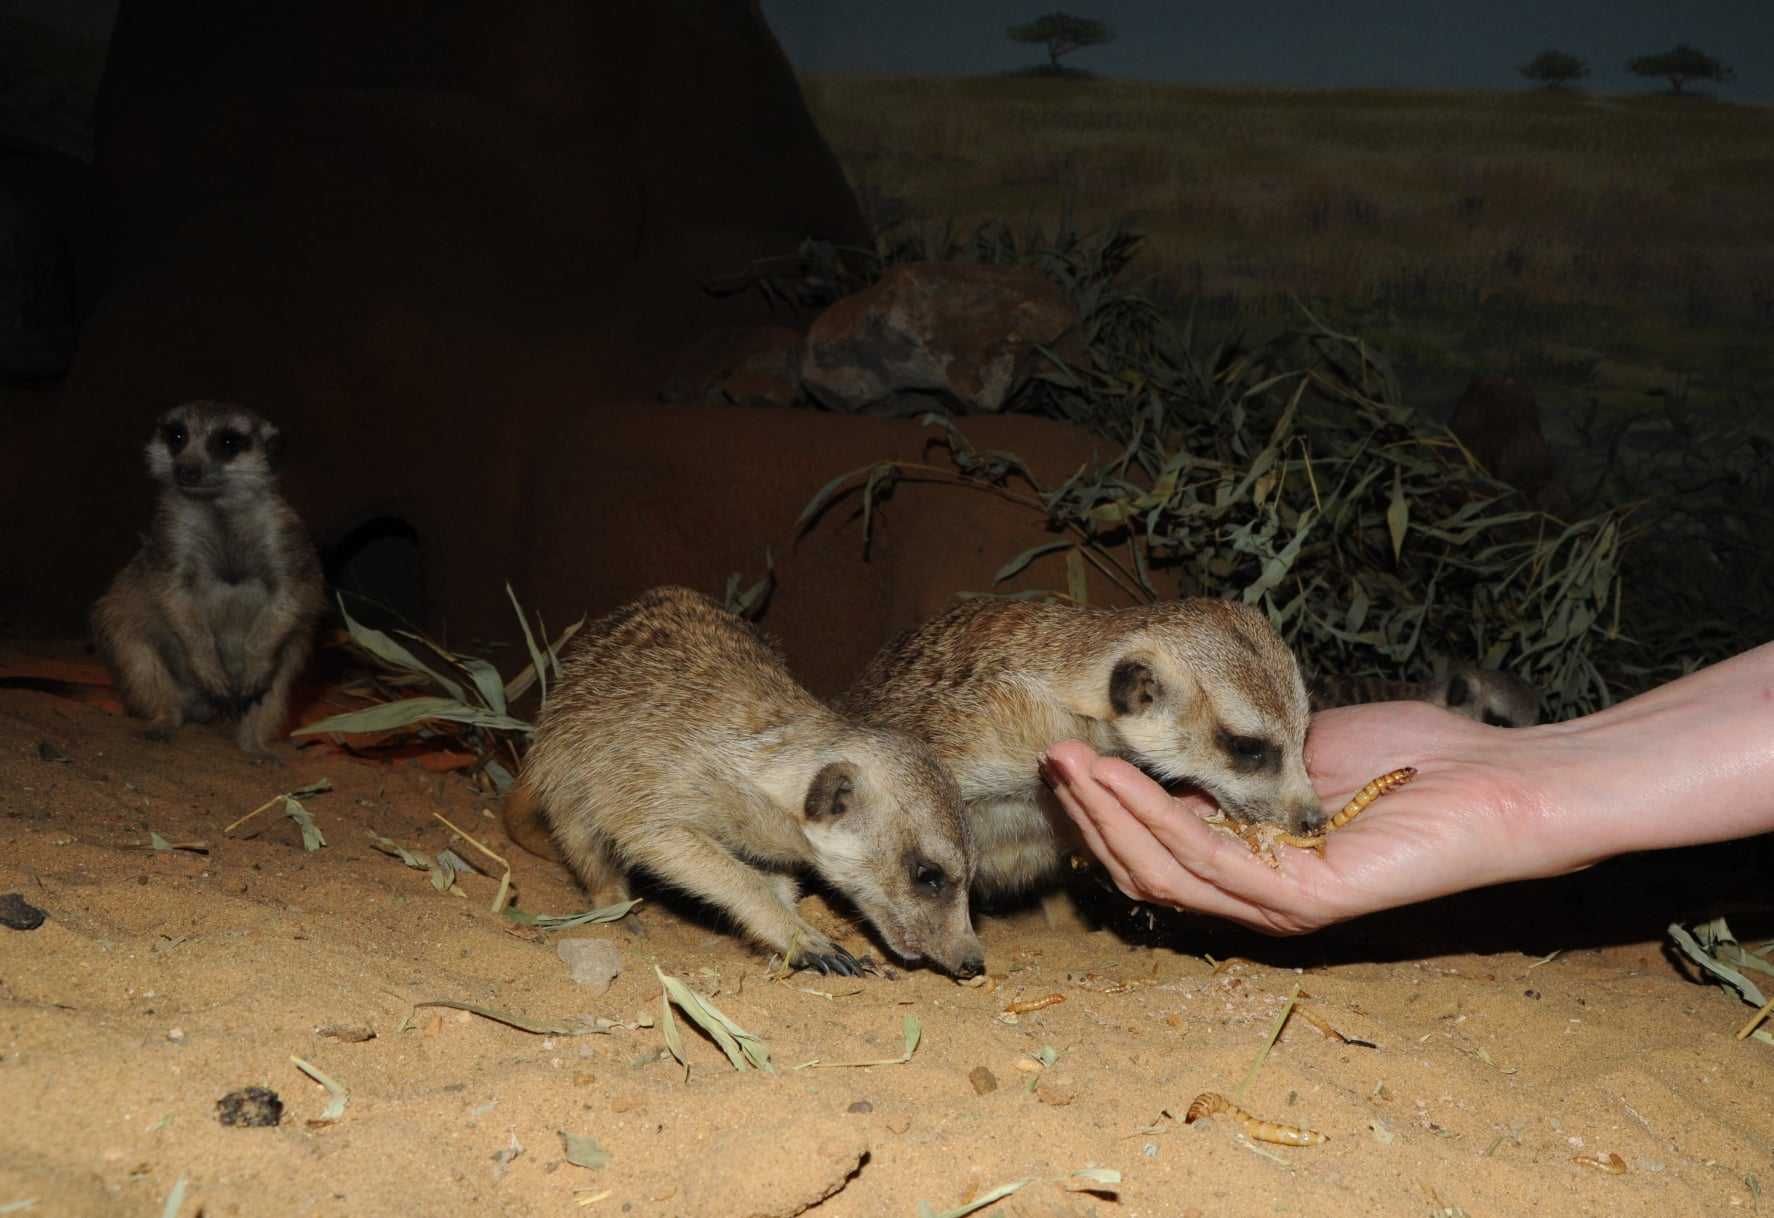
(349, 1033)
(250, 1106)
(19, 913)
(983, 1080)
(47, 751)
(176, 1035)
(593, 963)
(861, 1107)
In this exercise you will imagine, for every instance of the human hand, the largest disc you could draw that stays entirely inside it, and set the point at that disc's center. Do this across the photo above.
(1470, 818)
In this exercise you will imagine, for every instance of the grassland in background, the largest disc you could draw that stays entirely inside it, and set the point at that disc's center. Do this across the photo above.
(1615, 252)
(1602, 247)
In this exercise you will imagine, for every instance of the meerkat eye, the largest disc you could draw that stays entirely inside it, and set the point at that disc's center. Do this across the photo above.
(929, 875)
(173, 435)
(1249, 752)
(230, 444)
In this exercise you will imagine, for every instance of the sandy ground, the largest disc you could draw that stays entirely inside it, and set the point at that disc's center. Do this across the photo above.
(161, 981)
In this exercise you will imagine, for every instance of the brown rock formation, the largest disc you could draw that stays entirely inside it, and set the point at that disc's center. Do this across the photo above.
(966, 330)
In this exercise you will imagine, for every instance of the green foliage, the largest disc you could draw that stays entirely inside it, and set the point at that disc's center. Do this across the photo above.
(1554, 68)
(472, 701)
(1681, 65)
(1289, 474)
(1062, 34)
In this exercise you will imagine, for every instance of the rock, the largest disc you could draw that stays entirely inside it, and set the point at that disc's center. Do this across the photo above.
(19, 913)
(983, 1080)
(1498, 420)
(860, 1108)
(250, 1106)
(740, 366)
(966, 330)
(590, 962)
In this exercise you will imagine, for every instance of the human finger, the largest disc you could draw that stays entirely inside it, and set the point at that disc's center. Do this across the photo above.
(1142, 866)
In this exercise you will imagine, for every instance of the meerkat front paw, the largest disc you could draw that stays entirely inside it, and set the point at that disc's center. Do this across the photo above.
(813, 950)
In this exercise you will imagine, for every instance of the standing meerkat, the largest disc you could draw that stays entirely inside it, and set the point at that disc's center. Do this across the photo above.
(215, 615)
(1484, 695)
(677, 742)
(1201, 691)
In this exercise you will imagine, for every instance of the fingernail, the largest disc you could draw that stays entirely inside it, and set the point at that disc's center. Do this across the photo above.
(1045, 767)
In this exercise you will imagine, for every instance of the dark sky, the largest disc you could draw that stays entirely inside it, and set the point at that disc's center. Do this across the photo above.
(1461, 44)
(1308, 43)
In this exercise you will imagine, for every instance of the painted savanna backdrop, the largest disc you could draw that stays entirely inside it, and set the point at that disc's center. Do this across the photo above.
(1581, 203)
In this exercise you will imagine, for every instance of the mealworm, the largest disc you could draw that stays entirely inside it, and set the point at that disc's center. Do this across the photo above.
(1034, 1004)
(1212, 1103)
(1611, 1163)
(1378, 787)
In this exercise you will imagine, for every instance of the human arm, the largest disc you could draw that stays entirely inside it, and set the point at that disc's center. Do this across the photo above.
(1689, 762)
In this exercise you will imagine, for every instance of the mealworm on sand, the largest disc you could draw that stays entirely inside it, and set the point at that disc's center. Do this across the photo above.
(1611, 1163)
(1034, 1004)
(1212, 1103)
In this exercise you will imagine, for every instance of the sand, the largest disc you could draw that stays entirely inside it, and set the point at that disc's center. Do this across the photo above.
(1480, 1076)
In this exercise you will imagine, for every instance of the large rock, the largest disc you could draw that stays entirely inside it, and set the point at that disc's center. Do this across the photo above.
(965, 330)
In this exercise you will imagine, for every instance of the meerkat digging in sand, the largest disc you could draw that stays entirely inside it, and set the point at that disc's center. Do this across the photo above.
(677, 742)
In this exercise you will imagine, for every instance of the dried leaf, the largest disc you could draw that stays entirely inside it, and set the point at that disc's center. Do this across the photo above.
(1398, 514)
(583, 1152)
(743, 1049)
(338, 1096)
(520, 1022)
(604, 913)
(1028, 556)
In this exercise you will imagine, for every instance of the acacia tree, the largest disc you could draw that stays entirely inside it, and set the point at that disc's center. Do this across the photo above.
(1063, 34)
(1680, 66)
(1554, 69)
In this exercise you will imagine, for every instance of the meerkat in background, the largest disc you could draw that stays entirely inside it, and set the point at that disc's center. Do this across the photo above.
(677, 742)
(1485, 695)
(215, 615)
(1197, 691)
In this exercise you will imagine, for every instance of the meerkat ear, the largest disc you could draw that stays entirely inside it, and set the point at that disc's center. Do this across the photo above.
(830, 792)
(1132, 688)
(1459, 692)
(272, 439)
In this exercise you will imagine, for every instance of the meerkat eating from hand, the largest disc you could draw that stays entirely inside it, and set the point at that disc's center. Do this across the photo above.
(1484, 695)
(1197, 691)
(677, 743)
(215, 615)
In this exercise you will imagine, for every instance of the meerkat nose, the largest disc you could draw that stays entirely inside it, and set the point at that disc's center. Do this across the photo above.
(1307, 815)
